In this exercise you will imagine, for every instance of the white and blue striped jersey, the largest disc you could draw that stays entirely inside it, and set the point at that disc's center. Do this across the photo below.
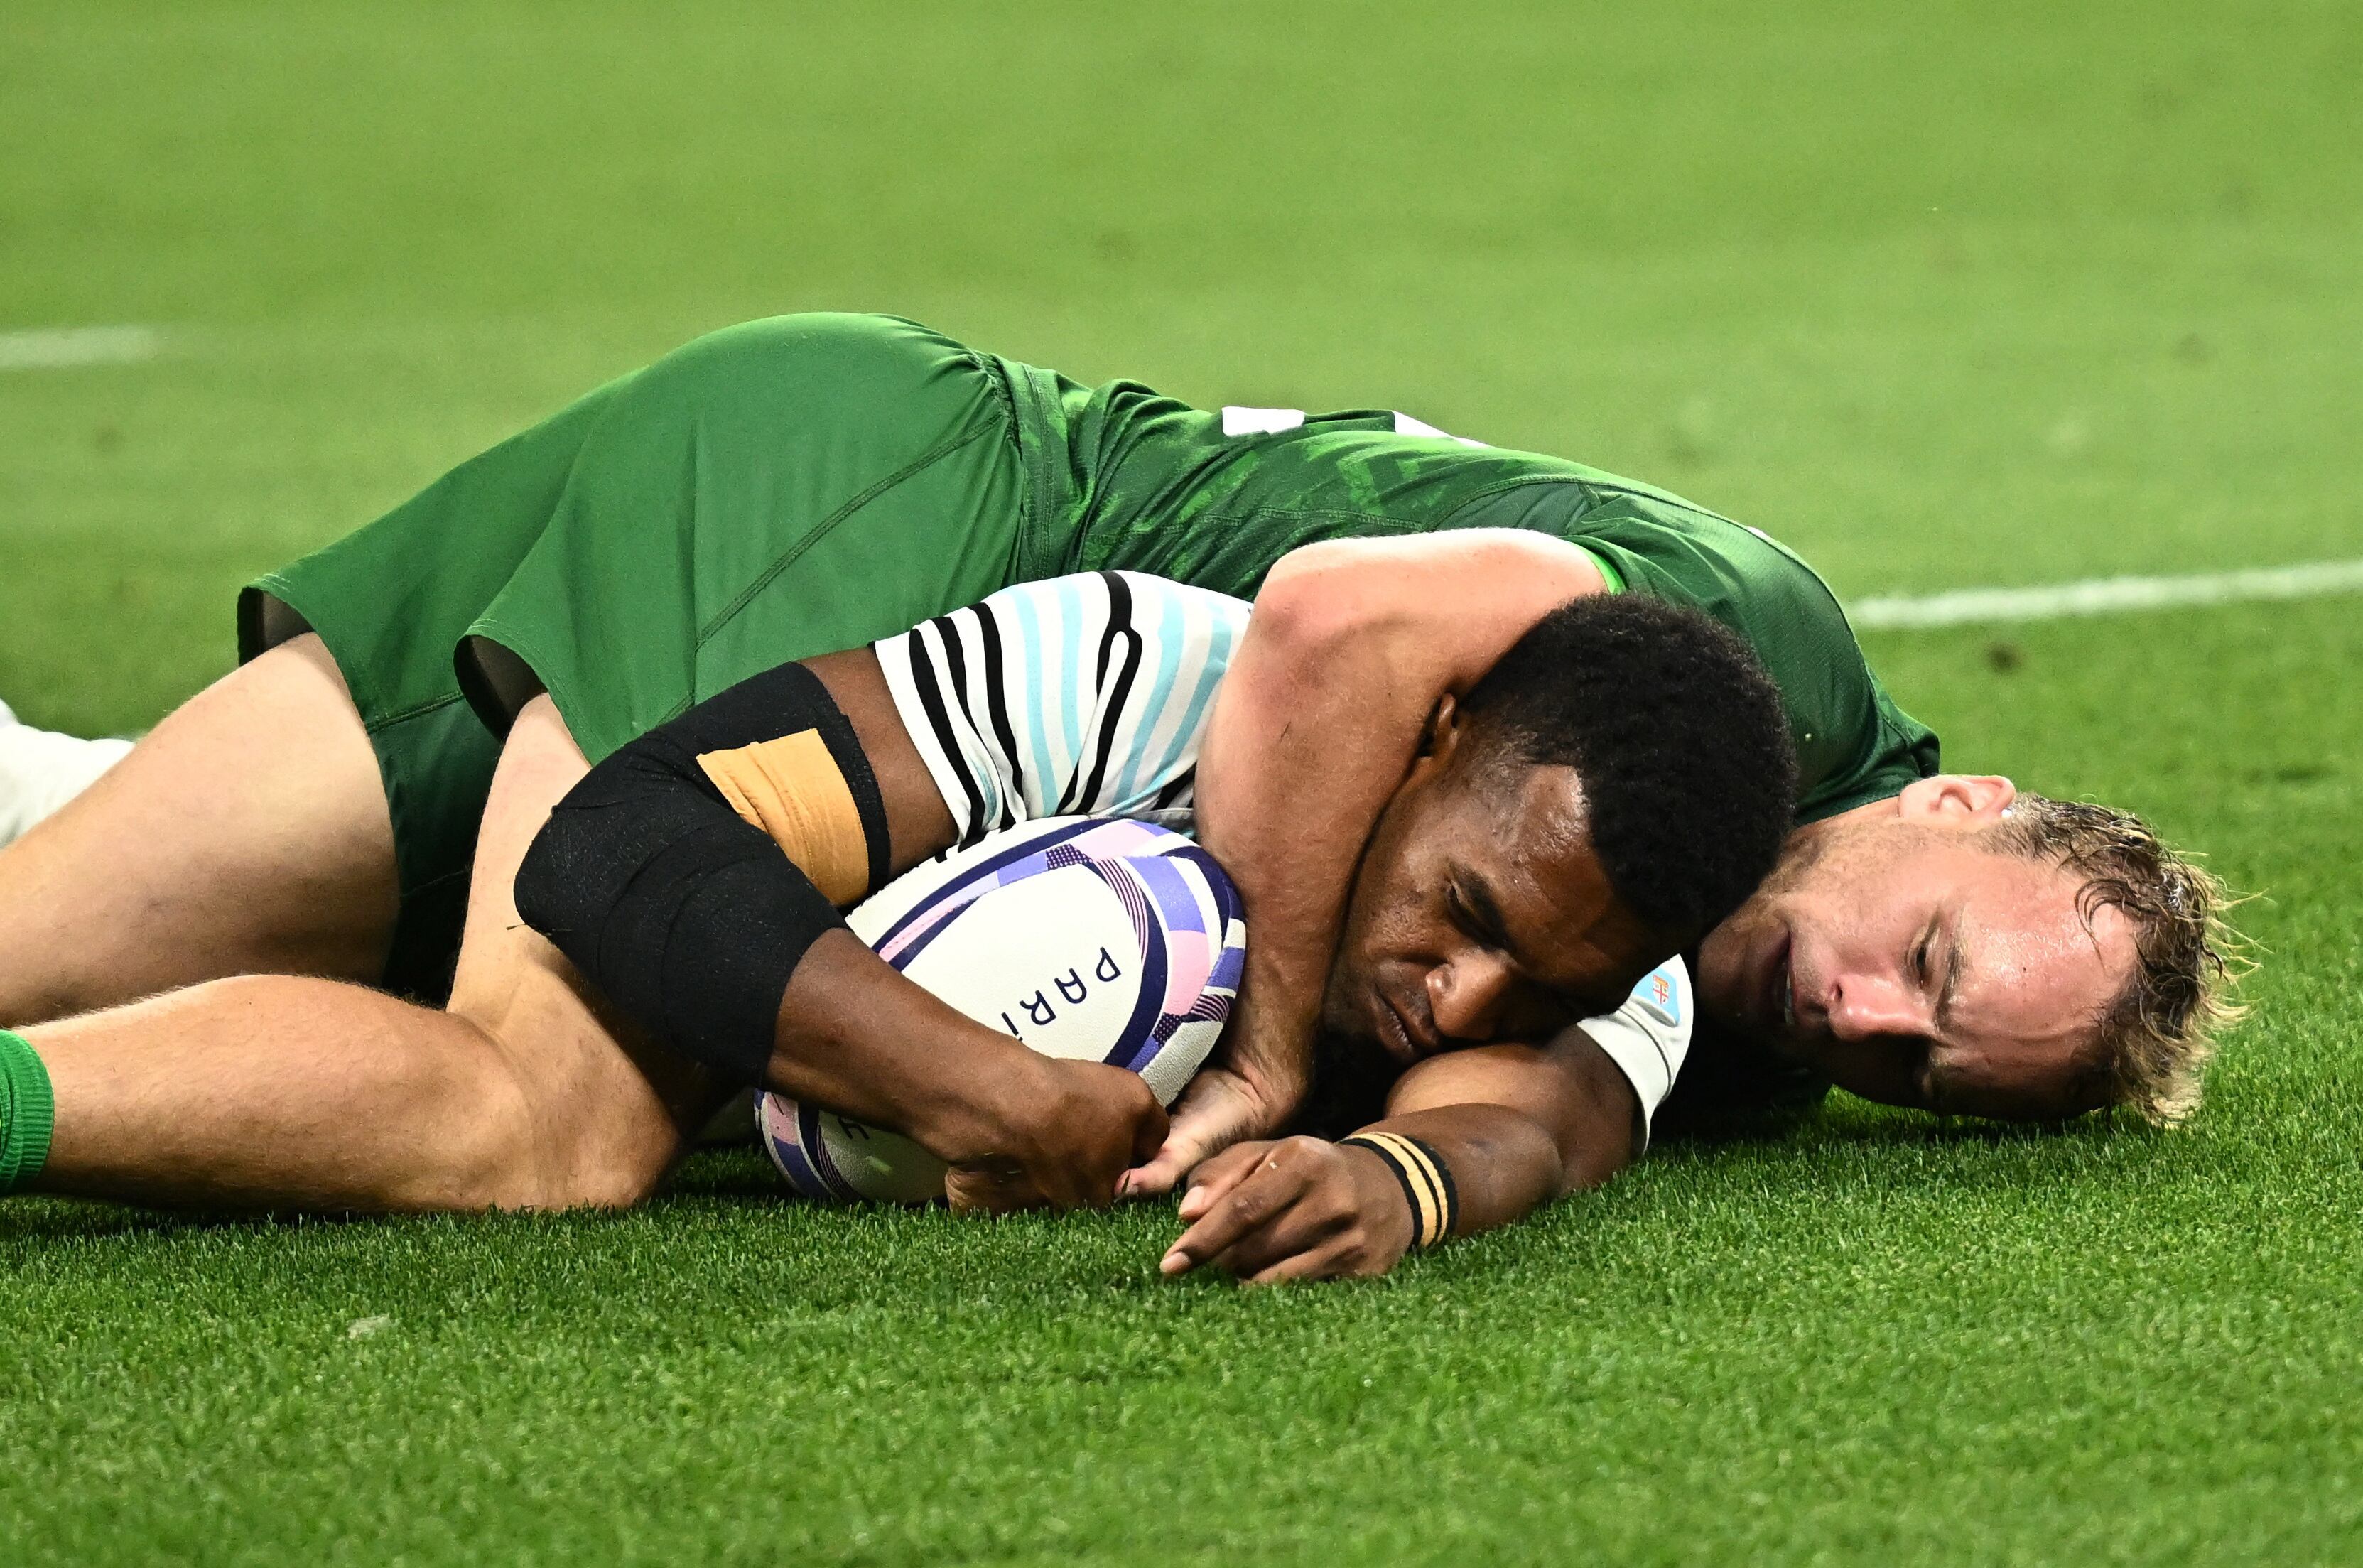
(1089, 695)
(1078, 696)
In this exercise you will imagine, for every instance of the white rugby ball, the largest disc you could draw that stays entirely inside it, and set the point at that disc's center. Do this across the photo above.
(1092, 938)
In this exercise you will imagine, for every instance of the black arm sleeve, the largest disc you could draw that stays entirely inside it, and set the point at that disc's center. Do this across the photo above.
(689, 918)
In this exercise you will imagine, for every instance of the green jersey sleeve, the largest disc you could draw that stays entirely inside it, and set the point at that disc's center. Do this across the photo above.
(1854, 744)
(1150, 484)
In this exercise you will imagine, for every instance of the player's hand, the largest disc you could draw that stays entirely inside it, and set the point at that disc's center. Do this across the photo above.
(1216, 1109)
(1058, 1135)
(1297, 1209)
(1245, 1092)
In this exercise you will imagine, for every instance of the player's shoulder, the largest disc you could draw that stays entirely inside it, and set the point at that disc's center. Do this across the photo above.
(1691, 545)
(1424, 466)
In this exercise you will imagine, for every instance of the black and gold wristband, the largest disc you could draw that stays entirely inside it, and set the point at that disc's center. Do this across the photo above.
(1426, 1182)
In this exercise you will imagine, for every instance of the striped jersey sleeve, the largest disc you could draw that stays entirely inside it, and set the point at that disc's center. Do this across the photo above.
(1083, 696)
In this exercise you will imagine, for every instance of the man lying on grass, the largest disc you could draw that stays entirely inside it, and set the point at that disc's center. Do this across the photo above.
(1616, 784)
(792, 486)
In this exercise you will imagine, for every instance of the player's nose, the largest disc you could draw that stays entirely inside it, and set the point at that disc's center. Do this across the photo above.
(1864, 1007)
(1467, 995)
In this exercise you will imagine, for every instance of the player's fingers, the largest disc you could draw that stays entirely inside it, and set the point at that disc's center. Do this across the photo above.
(1151, 1180)
(1175, 1159)
(979, 1189)
(1332, 1259)
(1246, 1207)
(1151, 1131)
(1114, 1122)
(1218, 1175)
(1062, 1189)
(969, 1194)
(1214, 1113)
(1101, 1181)
(1302, 1226)
(1233, 1217)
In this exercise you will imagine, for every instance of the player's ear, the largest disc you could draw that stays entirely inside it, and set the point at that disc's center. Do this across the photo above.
(1957, 799)
(1442, 733)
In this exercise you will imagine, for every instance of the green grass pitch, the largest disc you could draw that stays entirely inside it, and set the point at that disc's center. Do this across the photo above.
(1944, 294)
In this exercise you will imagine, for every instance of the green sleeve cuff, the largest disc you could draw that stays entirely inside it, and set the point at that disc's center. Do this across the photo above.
(28, 1113)
(1608, 574)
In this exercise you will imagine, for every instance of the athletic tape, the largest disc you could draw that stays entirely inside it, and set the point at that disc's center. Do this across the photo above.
(1426, 1179)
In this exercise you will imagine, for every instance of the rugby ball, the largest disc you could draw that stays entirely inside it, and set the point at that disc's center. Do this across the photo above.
(1092, 938)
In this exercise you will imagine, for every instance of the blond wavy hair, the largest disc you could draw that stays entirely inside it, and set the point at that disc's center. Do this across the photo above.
(2157, 1037)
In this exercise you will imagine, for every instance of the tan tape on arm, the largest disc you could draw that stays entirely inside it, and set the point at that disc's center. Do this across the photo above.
(792, 789)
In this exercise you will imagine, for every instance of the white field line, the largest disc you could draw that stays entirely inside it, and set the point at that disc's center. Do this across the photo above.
(62, 348)
(2104, 596)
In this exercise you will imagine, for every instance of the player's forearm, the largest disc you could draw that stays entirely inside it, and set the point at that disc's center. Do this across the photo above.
(1310, 734)
(1466, 1169)
(1319, 715)
(1018, 1129)
(859, 1037)
(718, 945)
(1489, 1105)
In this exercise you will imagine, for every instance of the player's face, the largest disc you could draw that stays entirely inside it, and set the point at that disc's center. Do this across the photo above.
(1481, 913)
(1912, 965)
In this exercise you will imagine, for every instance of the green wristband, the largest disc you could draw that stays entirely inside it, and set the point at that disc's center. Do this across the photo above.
(28, 1113)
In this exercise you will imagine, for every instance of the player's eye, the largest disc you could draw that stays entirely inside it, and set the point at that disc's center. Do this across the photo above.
(1467, 920)
(1920, 955)
(1463, 918)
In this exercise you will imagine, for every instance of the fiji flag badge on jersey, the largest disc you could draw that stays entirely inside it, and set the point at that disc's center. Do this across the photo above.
(1661, 991)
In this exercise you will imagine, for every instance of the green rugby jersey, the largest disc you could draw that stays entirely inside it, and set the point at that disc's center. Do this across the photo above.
(1139, 481)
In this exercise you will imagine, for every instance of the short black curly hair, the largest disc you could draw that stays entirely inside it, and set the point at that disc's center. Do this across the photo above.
(1678, 735)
